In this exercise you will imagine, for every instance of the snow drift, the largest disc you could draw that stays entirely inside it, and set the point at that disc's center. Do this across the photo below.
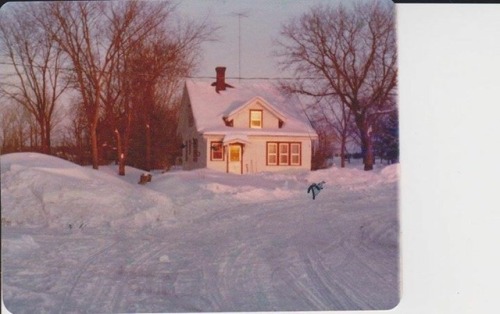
(41, 190)
(79, 240)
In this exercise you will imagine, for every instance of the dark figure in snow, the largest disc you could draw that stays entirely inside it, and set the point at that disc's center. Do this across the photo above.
(315, 188)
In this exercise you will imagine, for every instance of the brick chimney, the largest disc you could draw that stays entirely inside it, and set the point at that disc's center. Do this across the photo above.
(220, 83)
(220, 79)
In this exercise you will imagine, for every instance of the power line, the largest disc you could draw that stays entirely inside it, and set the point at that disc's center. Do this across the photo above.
(186, 77)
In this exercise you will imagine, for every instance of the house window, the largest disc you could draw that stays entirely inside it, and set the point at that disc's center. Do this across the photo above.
(295, 154)
(234, 152)
(272, 154)
(256, 119)
(185, 150)
(217, 151)
(284, 154)
(195, 150)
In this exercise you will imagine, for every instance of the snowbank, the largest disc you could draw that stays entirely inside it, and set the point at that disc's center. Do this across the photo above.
(41, 190)
(81, 240)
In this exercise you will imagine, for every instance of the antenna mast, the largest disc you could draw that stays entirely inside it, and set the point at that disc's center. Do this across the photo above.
(239, 14)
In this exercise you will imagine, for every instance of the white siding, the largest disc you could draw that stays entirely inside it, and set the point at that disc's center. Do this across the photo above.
(255, 154)
(242, 118)
(219, 165)
(188, 133)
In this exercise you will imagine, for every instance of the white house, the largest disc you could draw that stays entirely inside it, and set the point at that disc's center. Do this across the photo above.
(245, 127)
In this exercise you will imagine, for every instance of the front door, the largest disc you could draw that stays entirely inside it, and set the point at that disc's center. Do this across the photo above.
(234, 159)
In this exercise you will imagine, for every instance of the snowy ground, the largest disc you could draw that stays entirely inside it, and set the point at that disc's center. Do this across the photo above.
(79, 240)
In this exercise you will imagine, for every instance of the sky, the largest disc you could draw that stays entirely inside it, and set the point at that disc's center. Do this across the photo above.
(259, 29)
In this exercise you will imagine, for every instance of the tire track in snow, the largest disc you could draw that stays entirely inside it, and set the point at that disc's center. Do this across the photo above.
(82, 270)
(340, 291)
(138, 256)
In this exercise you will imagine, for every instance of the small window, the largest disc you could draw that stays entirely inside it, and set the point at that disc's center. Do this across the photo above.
(272, 153)
(234, 153)
(217, 151)
(295, 154)
(256, 119)
(283, 152)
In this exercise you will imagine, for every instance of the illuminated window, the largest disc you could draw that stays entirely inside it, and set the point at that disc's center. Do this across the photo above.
(234, 153)
(256, 119)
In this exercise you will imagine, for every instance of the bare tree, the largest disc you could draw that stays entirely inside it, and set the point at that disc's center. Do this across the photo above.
(120, 56)
(160, 65)
(155, 56)
(37, 63)
(77, 28)
(132, 24)
(95, 36)
(76, 138)
(14, 131)
(328, 113)
(349, 54)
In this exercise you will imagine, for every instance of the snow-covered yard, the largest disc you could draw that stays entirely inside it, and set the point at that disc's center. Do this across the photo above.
(79, 240)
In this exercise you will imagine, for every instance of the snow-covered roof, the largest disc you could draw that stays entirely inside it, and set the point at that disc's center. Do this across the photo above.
(235, 138)
(209, 107)
(239, 107)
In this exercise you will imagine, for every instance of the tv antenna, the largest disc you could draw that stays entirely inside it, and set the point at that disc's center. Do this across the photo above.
(240, 14)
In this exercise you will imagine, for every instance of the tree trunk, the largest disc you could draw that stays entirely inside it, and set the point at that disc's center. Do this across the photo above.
(366, 141)
(46, 138)
(95, 152)
(49, 142)
(43, 136)
(367, 149)
(369, 161)
(148, 147)
(343, 141)
(32, 138)
(120, 153)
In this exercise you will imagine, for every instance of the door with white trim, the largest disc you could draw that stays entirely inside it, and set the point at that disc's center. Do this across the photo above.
(234, 161)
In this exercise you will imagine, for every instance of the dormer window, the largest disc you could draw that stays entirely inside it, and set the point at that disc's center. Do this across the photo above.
(256, 119)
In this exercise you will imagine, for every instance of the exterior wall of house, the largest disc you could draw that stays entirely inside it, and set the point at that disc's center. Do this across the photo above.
(198, 151)
(219, 165)
(255, 154)
(242, 118)
(193, 152)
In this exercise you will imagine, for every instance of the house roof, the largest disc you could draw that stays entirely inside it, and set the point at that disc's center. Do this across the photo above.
(209, 108)
(239, 107)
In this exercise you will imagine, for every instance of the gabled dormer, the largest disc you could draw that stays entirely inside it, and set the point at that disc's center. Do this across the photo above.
(256, 113)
